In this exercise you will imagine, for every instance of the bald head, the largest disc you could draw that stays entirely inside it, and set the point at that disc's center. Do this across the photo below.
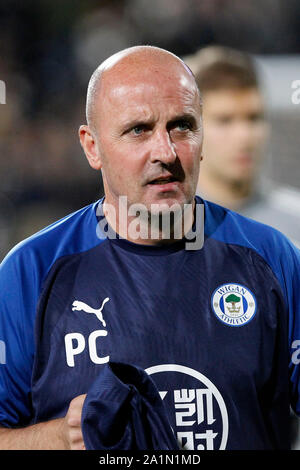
(126, 64)
(144, 128)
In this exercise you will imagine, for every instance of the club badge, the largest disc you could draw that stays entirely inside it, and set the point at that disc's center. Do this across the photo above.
(233, 304)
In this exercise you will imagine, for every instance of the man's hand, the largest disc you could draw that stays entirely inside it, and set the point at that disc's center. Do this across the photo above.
(71, 428)
(57, 434)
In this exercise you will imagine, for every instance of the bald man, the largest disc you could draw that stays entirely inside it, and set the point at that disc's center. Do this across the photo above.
(127, 95)
(216, 325)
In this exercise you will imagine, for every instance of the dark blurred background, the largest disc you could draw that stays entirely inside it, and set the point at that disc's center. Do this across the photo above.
(48, 51)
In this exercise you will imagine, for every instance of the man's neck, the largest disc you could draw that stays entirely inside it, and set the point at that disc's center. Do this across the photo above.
(149, 229)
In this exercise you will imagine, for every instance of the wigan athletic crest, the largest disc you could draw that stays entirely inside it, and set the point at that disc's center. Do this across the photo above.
(234, 304)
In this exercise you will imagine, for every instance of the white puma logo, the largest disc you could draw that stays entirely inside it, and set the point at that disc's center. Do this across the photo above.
(78, 305)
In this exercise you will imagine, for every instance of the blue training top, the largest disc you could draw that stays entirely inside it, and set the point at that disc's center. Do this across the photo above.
(217, 329)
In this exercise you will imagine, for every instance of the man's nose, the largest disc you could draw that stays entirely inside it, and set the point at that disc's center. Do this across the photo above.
(163, 149)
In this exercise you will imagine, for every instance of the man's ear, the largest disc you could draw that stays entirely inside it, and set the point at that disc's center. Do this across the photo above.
(90, 147)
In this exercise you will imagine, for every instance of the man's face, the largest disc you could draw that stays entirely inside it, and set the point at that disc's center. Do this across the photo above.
(150, 138)
(234, 133)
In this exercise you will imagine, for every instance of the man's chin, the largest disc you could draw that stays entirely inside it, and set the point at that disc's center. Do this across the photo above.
(167, 201)
(166, 206)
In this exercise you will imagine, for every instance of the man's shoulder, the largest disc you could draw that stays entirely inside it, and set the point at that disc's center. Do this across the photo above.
(71, 234)
(231, 227)
(220, 219)
(272, 246)
(277, 207)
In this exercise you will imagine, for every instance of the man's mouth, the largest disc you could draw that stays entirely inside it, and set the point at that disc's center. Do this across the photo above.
(163, 180)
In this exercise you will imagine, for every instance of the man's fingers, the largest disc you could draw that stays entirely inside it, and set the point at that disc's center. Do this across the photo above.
(75, 410)
(75, 436)
(77, 402)
(73, 424)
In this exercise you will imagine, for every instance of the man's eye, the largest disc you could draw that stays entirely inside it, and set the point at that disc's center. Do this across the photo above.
(183, 125)
(138, 130)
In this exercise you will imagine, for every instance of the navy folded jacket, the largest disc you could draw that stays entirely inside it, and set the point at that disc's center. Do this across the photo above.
(123, 410)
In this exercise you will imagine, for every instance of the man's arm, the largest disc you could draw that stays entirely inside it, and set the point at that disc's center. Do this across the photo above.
(42, 436)
(57, 434)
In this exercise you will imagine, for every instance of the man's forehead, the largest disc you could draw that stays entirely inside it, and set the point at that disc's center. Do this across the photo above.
(145, 64)
(146, 101)
(145, 70)
(140, 85)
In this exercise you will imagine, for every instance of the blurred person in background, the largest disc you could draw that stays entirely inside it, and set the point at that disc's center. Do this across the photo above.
(236, 134)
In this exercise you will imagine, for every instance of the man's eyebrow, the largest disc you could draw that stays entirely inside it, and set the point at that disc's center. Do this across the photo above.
(189, 117)
(131, 123)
